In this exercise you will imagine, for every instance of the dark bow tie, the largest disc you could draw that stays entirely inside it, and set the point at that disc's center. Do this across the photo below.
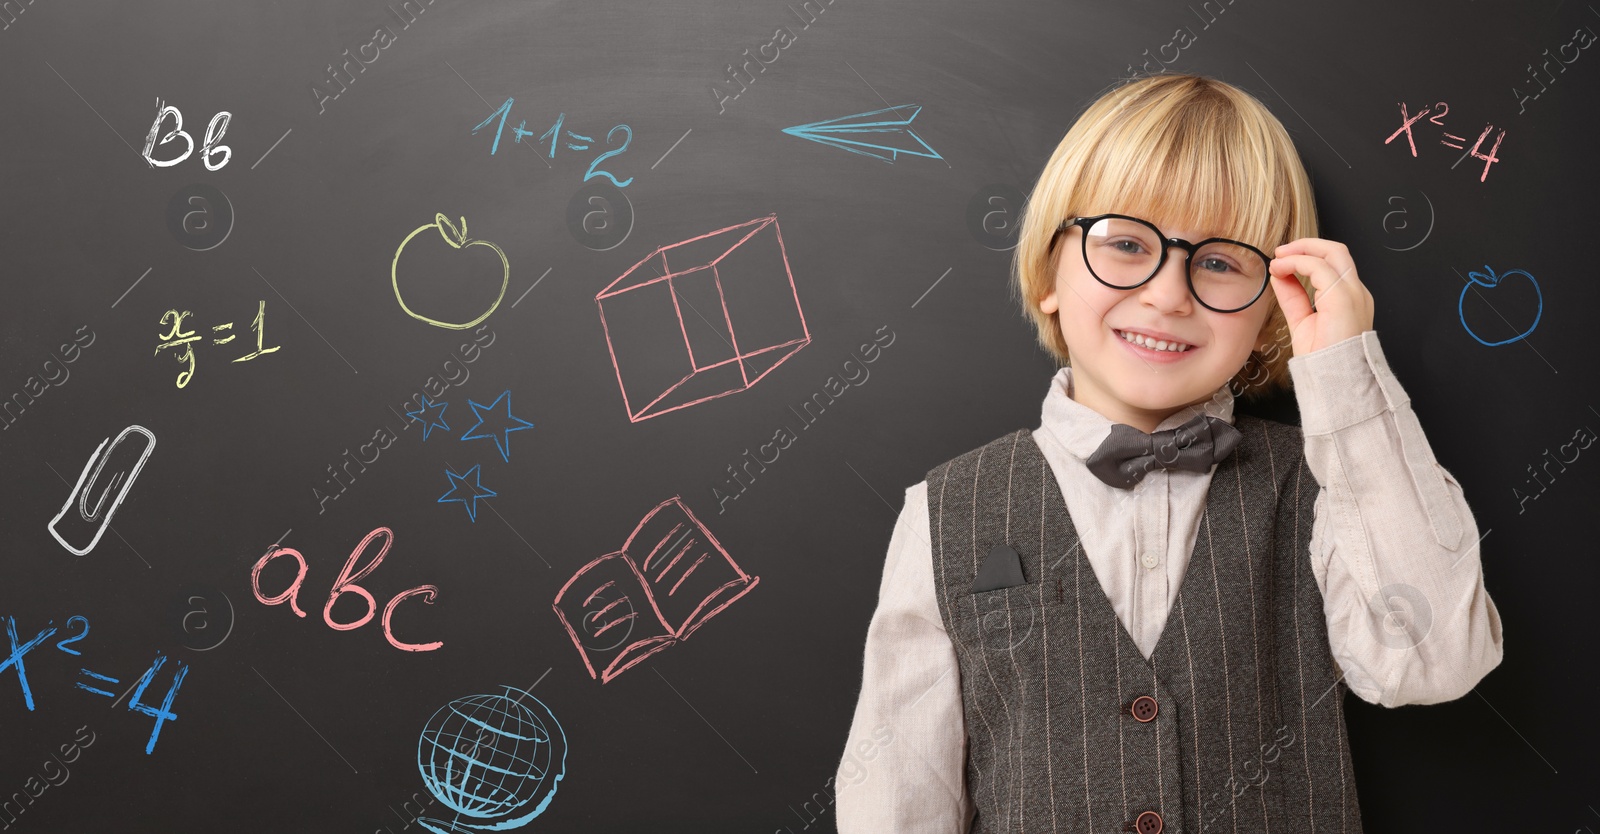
(1128, 453)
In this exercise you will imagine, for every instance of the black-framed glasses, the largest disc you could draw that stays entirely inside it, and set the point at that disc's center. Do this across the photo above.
(1124, 252)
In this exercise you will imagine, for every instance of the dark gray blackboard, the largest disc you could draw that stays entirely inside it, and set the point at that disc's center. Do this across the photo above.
(874, 270)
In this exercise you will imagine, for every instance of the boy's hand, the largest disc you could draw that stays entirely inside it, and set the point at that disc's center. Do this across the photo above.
(1344, 307)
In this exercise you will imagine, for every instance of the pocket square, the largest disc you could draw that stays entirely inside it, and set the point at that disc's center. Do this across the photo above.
(1002, 568)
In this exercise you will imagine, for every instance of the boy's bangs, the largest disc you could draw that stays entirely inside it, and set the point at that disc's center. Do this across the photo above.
(1190, 153)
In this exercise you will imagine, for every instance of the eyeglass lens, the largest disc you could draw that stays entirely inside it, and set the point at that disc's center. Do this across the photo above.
(1124, 253)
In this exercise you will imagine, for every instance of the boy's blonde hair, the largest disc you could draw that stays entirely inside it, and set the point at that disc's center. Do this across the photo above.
(1178, 149)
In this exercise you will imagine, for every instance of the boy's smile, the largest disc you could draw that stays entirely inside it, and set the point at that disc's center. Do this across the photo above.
(1142, 384)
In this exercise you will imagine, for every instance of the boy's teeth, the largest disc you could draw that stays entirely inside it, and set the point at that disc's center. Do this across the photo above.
(1154, 344)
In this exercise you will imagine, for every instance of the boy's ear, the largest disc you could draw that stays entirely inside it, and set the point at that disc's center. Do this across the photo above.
(1048, 303)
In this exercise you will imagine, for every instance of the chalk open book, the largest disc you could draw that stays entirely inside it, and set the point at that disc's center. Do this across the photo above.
(670, 576)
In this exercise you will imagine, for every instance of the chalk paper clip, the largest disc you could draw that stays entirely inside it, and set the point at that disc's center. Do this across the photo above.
(91, 476)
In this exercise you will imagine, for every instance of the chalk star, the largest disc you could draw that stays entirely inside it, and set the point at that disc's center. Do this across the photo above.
(433, 419)
(500, 435)
(476, 489)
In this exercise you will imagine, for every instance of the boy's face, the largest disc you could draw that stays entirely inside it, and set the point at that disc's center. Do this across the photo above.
(1136, 385)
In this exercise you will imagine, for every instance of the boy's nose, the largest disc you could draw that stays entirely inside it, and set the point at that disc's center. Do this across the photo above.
(1169, 289)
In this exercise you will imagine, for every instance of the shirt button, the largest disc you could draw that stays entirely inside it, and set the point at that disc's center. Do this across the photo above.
(1149, 560)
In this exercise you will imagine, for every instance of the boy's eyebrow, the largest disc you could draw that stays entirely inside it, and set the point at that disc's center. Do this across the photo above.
(1168, 228)
(1203, 235)
(1229, 235)
(1208, 232)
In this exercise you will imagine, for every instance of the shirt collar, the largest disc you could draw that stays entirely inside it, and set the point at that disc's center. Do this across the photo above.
(1079, 429)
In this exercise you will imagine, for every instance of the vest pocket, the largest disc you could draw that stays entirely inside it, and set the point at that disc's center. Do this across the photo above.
(1004, 619)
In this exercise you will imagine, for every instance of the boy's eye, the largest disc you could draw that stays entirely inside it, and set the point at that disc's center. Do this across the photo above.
(1128, 247)
(1214, 264)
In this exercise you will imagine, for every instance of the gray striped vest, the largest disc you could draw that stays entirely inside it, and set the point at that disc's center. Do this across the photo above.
(1236, 724)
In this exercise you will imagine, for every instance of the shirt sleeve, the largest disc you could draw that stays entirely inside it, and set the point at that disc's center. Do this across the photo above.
(904, 765)
(1394, 546)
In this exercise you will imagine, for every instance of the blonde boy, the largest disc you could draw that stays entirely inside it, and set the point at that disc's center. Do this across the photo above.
(1144, 614)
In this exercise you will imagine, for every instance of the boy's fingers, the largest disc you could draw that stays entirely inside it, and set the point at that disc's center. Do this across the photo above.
(1292, 298)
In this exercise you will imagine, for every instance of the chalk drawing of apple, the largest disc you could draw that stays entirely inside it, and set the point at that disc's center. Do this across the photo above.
(1489, 280)
(457, 239)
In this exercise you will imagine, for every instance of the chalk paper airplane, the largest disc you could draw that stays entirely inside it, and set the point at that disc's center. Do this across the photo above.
(860, 133)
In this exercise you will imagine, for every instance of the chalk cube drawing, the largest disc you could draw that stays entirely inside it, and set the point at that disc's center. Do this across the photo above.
(670, 576)
(702, 318)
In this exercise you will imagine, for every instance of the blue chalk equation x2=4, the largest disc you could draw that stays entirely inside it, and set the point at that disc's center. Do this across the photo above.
(95, 683)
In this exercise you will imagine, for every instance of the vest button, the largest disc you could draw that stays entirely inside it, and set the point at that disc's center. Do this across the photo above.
(1144, 709)
(1148, 822)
